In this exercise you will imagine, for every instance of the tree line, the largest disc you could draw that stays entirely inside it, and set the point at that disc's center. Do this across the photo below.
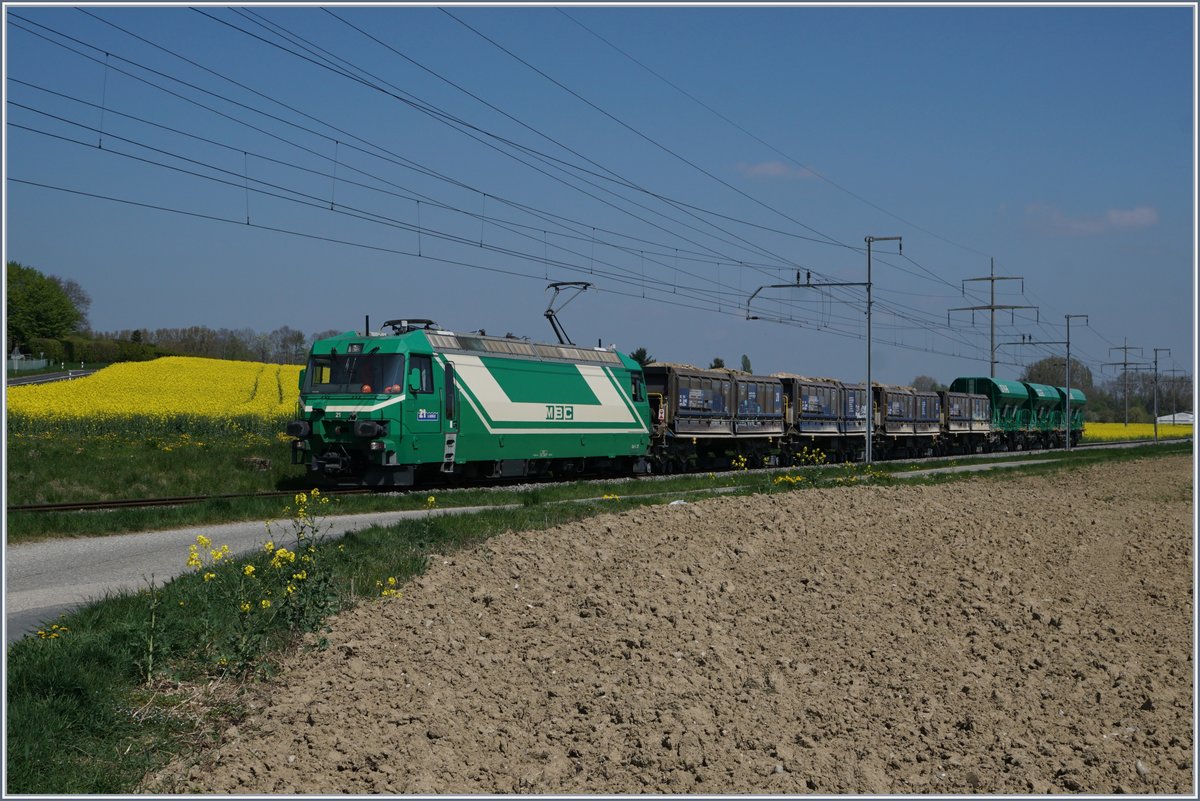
(284, 345)
(47, 318)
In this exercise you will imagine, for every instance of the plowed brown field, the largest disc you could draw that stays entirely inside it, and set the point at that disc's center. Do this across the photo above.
(995, 635)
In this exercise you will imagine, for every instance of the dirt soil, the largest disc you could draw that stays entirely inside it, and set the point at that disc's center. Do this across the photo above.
(995, 635)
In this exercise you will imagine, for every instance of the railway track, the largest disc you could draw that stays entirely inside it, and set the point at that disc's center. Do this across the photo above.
(148, 503)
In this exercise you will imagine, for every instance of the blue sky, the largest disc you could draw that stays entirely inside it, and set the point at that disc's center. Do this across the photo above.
(677, 158)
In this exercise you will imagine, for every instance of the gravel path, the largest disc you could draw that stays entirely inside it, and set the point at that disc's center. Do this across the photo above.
(995, 635)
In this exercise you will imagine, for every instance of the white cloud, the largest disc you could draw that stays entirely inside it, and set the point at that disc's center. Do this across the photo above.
(773, 169)
(1051, 219)
(1141, 217)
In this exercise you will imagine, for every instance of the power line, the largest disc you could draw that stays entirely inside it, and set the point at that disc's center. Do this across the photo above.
(474, 131)
(388, 155)
(638, 133)
(376, 218)
(308, 116)
(766, 144)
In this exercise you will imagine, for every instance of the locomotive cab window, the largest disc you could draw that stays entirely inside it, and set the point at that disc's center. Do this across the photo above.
(337, 373)
(422, 366)
(637, 386)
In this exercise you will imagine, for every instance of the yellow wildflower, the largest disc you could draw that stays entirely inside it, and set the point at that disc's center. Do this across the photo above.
(282, 555)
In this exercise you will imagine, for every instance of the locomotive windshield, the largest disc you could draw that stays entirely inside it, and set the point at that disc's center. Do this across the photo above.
(356, 373)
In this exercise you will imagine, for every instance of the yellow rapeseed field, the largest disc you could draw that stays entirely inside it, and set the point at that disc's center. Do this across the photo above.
(1113, 432)
(178, 392)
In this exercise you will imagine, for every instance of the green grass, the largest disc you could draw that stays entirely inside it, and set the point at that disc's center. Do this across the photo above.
(62, 467)
(48, 470)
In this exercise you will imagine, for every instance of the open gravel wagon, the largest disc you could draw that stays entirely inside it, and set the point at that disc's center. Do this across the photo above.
(1022, 414)
(713, 419)
(966, 422)
(1045, 414)
(815, 410)
(1078, 404)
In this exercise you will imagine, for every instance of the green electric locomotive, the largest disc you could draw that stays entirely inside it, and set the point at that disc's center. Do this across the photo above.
(421, 404)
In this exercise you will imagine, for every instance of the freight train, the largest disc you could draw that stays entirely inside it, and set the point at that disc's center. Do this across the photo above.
(419, 404)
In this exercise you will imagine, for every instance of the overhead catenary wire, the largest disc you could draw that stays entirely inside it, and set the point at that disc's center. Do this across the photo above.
(342, 72)
(416, 104)
(276, 118)
(732, 312)
(764, 143)
(473, 130)
(317, 202)
(641, 253)
(509, 225)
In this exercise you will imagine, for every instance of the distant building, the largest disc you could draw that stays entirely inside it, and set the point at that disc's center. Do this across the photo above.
(1179, 418)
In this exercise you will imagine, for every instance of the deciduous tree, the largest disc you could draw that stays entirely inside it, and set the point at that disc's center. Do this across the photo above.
(1052, 371)
(36, 306)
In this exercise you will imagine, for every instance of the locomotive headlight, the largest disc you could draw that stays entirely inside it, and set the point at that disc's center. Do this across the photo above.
(299, 428)
(376, 445)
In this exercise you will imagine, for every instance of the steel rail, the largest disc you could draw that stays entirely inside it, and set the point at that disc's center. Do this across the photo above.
(146, 503)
